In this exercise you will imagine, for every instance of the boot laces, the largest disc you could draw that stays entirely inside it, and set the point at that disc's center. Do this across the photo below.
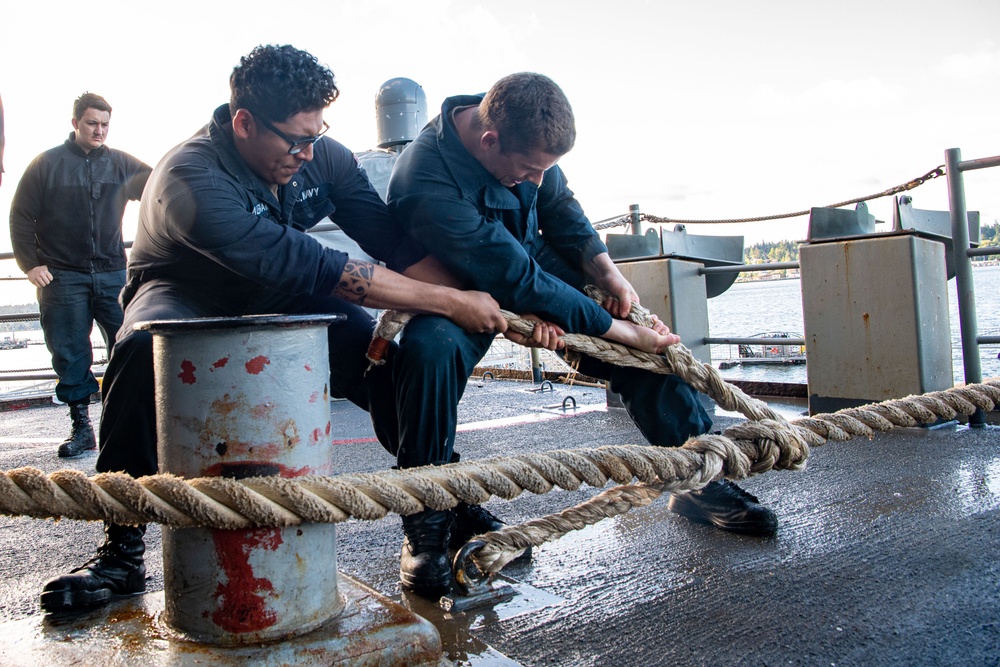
(427, 541)
(478, 515)
(730, 489)
(97, 560)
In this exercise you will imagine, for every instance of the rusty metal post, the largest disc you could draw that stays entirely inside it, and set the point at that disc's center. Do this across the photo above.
(240, 397)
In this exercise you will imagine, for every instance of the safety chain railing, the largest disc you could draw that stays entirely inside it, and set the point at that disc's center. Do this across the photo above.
(903, 187)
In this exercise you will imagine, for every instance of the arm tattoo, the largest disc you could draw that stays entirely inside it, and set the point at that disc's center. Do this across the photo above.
(355, 281)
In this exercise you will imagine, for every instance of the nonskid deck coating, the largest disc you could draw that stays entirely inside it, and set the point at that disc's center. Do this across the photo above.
(888, 550)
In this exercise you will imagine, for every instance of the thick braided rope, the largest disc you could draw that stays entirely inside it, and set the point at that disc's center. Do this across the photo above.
(767, 442)
(216, 502)
(504, 546)
(273, 501)
(675, 360)
(507, 544)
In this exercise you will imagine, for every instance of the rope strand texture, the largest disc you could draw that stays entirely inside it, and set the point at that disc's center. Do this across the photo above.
(219, 502)
(506, 544)
(742, 450)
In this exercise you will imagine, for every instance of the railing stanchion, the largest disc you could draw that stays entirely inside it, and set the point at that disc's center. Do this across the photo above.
(963, 275)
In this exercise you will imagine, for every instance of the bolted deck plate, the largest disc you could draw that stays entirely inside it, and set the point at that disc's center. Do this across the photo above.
(459, 644)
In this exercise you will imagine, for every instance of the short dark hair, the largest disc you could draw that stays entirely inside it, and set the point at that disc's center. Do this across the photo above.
(278, 82)
(89, 101)
(529, 112)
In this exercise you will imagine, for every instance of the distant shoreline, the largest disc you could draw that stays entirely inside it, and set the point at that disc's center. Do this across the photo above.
(759, 277)
(767, 276)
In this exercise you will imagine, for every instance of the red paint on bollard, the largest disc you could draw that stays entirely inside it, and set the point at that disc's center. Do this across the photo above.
(244, 469)
(241, 599)
(256, 365)
(187, 372)
(244, 419)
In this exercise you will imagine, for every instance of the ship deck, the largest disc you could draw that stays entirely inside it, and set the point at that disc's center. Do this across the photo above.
(888, 550)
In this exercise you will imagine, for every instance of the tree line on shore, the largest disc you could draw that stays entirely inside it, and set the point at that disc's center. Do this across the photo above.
(19, 309)
(768, 252)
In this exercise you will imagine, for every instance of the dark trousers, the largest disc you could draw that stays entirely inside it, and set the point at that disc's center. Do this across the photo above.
(128, 423)
(68, 308)
(435, 358)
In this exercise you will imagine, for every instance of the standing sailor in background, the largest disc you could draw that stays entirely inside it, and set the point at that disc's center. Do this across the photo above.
(66, 231)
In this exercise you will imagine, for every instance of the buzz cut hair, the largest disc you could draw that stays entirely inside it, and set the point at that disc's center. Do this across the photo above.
(529, 112)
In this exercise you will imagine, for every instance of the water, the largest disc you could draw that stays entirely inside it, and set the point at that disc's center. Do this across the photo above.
(36, 358)
(752, 308)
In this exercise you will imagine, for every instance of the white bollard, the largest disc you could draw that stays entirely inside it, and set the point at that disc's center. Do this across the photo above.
(241, 397)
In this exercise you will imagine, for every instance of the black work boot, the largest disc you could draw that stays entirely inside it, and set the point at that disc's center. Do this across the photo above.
(81, 438)
(726, 506)
(116, 570)
(423, 563)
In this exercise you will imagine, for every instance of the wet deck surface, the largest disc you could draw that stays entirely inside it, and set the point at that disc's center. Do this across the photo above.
(888, 550)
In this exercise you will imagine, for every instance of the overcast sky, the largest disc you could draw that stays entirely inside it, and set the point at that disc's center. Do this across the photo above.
(712, 109)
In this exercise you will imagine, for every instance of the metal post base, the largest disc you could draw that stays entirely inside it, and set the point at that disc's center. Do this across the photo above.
(371, 630)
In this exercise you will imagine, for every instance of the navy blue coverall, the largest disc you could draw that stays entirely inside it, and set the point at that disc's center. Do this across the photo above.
(214, 241)
(525, 246)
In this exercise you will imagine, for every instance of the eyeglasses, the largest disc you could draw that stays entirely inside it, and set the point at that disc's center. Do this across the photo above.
(297, 145)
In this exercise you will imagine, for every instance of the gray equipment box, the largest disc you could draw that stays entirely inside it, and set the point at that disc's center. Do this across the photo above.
(665, 270)
(876, 319)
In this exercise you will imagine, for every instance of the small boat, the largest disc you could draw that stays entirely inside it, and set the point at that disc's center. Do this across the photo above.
(768, 351)
(9, 343)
